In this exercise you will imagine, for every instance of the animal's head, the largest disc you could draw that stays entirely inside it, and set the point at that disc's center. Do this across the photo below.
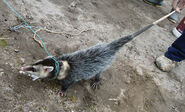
(44, 68)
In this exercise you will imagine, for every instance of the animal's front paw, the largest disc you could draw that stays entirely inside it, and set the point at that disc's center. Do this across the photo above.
(62, 93)
(95, 84)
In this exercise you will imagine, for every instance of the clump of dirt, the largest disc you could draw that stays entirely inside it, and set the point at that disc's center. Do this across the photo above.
(131, 84)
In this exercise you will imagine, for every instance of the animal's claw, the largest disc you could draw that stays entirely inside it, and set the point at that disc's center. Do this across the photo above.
(95, 85)
(62, 93)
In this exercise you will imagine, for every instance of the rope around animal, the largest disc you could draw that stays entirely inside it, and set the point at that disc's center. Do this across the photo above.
(20, 17)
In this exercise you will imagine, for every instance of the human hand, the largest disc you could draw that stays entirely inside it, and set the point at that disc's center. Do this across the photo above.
(177, 9)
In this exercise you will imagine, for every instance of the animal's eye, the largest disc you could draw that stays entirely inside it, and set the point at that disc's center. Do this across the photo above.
(34, 70)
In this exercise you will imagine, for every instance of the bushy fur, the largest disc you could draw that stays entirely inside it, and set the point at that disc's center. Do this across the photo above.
(79, 65)
(89, 63)
(85, 64)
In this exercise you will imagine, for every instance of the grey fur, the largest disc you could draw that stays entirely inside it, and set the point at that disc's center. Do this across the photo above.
(79, 65)
(84, 64)
(89, 63)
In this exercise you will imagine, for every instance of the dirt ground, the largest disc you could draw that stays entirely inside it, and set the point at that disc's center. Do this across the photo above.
(131, 84)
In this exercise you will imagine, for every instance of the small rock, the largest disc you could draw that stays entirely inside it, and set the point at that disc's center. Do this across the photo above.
(16, 50)
(11, 64)
(22, 59)
(74, 3)
(29, 17)
(139, 70)
(1, 74)
(128, 80)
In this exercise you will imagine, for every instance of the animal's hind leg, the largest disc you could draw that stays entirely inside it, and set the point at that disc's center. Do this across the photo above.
(96, 81)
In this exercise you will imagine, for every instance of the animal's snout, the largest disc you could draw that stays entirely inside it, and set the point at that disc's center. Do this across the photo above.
(27, 68)
(22, 69)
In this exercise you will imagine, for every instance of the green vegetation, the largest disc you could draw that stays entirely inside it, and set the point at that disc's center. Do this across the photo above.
(3, 43)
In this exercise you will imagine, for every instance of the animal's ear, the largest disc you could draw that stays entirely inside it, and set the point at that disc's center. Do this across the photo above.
(41, 60)
(48, 69)
(38, 62)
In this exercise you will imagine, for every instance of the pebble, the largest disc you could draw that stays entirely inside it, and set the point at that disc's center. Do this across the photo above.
(16, 50)
(22, 59)
(139, 70)
(1, 74)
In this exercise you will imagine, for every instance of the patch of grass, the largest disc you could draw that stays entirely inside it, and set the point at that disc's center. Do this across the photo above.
(3, 43)
(74, 99)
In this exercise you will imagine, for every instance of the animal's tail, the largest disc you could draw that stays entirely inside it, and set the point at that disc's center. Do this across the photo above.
(117, 44)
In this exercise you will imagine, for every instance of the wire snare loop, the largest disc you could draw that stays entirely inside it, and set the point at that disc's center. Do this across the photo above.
(20, 17)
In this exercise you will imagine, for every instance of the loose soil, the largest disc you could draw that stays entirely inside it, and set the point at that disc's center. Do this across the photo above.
(133, 76)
